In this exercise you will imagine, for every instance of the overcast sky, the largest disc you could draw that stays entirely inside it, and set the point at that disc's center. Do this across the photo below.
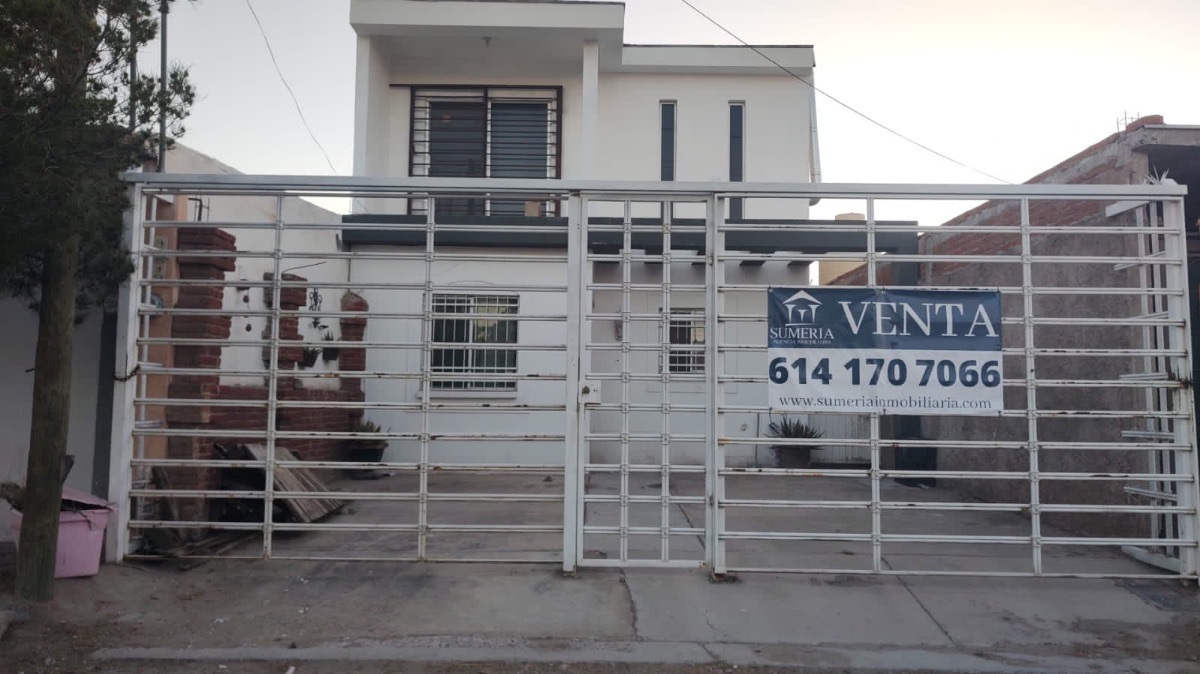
(1010, 87)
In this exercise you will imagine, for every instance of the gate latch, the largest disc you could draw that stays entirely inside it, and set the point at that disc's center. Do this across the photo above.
(589, 393)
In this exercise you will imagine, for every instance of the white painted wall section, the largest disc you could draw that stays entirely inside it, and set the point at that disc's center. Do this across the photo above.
(16, 397)
(446, 276)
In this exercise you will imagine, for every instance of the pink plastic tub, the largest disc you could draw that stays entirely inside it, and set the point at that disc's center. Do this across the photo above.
(80, 536)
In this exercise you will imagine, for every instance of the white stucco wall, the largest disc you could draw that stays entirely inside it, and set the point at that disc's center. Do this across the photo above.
(253, 209)
(552, 273)
(776, 131)
(17, 351)
(605, 332)
(446, 276)
(314, 269)
(777, 125)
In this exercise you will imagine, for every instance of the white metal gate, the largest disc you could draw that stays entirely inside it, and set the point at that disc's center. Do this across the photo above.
(590, 390)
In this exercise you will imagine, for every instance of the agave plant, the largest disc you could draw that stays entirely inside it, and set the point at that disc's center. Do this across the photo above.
(791, 428)
(365, 450)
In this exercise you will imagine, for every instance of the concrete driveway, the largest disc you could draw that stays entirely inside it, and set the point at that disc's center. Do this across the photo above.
(325, 614)
(292, 612)
(834, 556)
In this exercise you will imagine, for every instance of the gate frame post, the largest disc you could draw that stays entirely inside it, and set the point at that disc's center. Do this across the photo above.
(125, 383)
(1183, 397)
(575, 446)
(714, 522)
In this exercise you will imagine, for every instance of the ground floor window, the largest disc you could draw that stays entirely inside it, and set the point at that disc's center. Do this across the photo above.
(476, 322)
(685, 333)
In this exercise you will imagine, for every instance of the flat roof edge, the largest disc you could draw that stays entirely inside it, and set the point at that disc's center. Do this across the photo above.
(720, 46)
(374, 17)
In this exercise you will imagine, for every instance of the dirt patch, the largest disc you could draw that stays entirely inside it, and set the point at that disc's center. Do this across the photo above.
(1177, 641)
(44, 647)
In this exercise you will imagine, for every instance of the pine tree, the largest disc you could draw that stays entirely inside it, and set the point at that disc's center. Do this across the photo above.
(66, 94)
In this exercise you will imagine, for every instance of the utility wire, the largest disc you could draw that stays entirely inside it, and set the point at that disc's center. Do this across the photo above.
(296, 102)
(287, 86)
(837, 100)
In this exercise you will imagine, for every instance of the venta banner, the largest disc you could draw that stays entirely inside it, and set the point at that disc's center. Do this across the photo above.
(886, 351)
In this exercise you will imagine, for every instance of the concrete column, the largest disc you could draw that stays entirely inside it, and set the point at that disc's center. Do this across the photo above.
(591, 100)
(362, 98)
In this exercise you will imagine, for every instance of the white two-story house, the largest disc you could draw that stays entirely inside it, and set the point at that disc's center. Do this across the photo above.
(545, 89)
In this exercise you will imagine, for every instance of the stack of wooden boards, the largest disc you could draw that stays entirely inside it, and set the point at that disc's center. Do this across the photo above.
(184, 543)
(297, 480)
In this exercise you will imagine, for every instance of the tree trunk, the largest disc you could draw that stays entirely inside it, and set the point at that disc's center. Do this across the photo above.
(50, 419)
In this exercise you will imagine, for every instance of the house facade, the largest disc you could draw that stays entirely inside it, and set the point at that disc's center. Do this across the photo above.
(550, 90)
(512, 91)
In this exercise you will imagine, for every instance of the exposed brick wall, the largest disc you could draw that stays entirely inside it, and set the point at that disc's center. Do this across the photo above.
(197, 386)
(1111, 161)
(207, 387)
(305, 419)
(290, 299)
(1114, 160)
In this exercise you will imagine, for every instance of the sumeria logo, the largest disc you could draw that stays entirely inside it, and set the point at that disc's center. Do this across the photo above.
(929, 319)
(794, 332)
(802, 309)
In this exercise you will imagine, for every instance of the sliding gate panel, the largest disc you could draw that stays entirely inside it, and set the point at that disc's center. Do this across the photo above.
(395, 388)
(1089, 468)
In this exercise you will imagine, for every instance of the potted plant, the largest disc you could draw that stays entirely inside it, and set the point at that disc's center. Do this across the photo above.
(330, 353)
(365, 450)
(792, 456)
(309, 357)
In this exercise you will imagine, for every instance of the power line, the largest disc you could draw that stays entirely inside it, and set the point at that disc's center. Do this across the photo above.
(289, 88)
(837, 100)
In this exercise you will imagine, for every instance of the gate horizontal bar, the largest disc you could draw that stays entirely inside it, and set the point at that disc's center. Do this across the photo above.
(597, 190)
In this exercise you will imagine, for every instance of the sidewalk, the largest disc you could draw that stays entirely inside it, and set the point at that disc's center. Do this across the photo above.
(314, 615)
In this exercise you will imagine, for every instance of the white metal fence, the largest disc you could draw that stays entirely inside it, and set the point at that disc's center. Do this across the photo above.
(591, 390)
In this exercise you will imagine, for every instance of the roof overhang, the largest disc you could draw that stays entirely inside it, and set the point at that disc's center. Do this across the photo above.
(458, 17)
(714, 59)
(487, 37)
(372, 230)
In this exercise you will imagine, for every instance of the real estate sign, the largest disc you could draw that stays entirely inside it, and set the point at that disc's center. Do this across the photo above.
(887, 351)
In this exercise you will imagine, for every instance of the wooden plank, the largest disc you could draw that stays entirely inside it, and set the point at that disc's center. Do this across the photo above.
(297, 480)
(163, 479)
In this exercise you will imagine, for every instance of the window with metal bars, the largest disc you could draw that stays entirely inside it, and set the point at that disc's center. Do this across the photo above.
(486, 132)
(466, 320)
(685, 334)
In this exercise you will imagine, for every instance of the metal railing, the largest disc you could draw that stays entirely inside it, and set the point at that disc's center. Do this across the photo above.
(588, 448)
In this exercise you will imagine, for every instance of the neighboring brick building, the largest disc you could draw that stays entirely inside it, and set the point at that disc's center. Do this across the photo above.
(1146, 150)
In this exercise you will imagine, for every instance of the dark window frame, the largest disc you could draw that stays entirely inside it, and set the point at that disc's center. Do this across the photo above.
(423, 97)
(668, 118)
(737, 155)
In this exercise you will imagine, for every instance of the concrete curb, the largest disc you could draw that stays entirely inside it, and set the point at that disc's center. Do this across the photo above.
(434, 649)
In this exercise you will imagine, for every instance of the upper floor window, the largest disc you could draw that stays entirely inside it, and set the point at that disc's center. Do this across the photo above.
(486, 132)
